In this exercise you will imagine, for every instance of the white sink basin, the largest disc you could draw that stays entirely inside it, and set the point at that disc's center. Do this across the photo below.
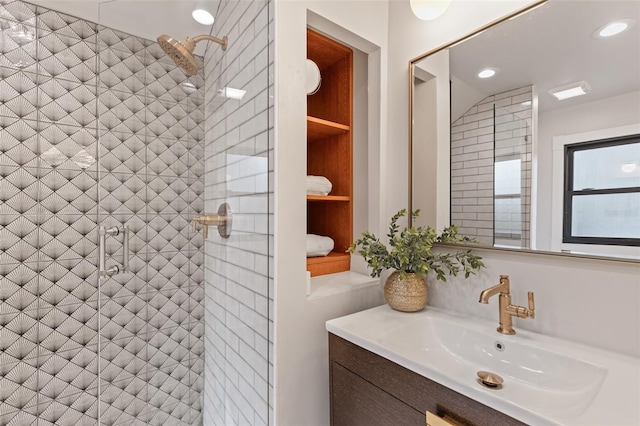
(546, 380)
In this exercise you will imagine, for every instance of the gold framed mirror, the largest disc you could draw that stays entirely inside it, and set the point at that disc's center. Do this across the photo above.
(490, 136)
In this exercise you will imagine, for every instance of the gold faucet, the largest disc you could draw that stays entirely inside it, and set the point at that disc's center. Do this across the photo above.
(507, 310)
(206, 220)
(222, 220)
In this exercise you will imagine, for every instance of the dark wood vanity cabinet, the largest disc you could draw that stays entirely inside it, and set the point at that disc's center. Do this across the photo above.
(369, 390)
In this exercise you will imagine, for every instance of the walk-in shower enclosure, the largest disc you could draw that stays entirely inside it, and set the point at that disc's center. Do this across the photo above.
(491, 169)
(100, 130)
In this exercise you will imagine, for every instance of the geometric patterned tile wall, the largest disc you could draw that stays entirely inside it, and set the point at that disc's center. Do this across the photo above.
(97, 127)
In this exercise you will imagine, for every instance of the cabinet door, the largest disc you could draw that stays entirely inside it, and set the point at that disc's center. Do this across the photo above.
(355, 402)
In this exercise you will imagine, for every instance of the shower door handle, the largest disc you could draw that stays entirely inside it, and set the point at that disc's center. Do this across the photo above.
(102, 248)
(125, 248)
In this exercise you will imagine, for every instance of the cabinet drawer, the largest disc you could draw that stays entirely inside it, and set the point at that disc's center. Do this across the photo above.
(357, 402)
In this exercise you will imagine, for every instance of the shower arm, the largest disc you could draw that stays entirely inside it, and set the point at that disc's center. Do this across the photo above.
(221, 41)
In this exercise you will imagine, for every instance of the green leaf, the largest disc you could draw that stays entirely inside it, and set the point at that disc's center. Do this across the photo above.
(410, 251)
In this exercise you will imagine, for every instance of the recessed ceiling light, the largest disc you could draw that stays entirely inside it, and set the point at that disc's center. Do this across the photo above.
(629, 167)
(488, 72)
(202, 17)
(613, 28)
(571, 90)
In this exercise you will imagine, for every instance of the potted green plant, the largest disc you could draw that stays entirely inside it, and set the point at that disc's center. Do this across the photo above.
(410, 255)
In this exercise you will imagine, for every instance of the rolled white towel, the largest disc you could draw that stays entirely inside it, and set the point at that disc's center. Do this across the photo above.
(317, 245)
(318, 185)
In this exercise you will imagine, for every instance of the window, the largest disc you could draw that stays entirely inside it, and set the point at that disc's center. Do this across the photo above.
(602, 192)
(507, 202)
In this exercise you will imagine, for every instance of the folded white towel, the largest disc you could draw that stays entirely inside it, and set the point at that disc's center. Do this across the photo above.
(318, 185)
(318, 245)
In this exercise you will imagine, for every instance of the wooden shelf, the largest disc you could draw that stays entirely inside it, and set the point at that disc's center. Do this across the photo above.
(328, 198)
(332, 263)
(318, 129)
(330, 151)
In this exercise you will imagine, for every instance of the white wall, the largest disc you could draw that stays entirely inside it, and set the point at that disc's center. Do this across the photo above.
(595, 302)
(361, 167)
(463, 97)
(425, 143)
(603, 114)
(301, 353)
(431, 140)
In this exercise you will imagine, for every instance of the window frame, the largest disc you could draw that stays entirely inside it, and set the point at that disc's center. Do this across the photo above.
(569, 192)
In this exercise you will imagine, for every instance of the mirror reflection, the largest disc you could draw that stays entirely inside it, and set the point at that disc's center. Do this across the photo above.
(531, 131)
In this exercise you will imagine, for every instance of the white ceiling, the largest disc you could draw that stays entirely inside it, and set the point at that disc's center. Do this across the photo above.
(144, 18)
(552, 46)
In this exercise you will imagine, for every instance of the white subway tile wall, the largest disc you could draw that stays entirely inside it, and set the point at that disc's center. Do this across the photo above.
(496, 129)
(238, 171)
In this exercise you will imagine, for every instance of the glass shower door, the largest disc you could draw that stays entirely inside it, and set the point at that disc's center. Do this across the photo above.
(150, 181)
(238, 274)
(512, 176)
(48, 207)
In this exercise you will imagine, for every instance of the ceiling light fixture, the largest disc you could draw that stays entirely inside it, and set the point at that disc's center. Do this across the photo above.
(203, 17)
(488, 72)
(428, 10)
(571, 90)
(613, 28)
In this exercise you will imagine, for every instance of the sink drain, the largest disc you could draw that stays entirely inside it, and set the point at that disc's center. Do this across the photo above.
(490, 380)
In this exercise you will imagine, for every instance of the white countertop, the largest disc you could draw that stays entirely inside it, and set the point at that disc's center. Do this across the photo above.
(615, 399)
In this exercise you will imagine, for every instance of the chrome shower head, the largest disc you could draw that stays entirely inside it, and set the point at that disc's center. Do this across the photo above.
(181, 52)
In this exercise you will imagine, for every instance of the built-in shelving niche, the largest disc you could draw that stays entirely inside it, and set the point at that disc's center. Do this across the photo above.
(330, 151)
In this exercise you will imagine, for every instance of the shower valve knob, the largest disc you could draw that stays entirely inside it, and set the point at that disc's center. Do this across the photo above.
(222, 220)
(114, 270)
